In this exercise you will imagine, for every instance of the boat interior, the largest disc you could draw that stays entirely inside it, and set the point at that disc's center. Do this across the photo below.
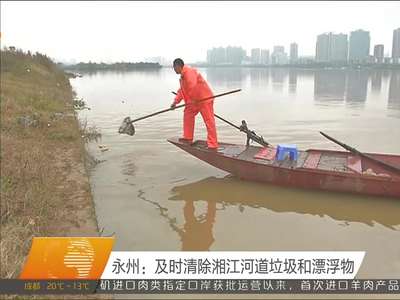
(312, 159)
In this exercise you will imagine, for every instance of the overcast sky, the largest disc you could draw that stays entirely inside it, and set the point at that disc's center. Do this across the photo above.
(131, 31)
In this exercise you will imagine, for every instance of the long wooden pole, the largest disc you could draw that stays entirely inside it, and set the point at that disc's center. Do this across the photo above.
(182, 105)
(355, 151)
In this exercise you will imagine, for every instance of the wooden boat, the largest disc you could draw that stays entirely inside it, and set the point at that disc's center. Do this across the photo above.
(314, 169)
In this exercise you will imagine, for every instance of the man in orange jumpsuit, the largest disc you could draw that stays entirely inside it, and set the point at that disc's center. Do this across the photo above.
(194, 88)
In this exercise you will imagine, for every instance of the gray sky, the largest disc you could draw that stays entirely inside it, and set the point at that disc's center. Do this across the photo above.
(130, 31)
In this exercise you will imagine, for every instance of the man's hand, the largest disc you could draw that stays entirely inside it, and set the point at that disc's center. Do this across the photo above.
(173, 105)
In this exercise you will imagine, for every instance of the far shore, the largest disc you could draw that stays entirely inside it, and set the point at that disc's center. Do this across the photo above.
(305, 66)
(95, 69)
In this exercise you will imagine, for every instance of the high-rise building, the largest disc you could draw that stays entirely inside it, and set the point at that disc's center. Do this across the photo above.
(322, 49)
(279, 49)
(378, 53)
(255, 55)
(331, 47)
(216, 56)
(294, 52)
(210, 56)
(359, 46)
(339, 47)
(396, 46)
(228, 55)
(235, 55)
(264, 57)
(279, 56)
(221, 55)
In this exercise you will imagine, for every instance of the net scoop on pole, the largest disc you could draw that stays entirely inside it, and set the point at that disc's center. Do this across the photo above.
(127, 126)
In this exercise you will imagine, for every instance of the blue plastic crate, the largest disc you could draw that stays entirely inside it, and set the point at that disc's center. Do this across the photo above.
(284, 149)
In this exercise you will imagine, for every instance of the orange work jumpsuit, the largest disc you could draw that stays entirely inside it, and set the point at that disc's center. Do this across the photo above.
(194, 87)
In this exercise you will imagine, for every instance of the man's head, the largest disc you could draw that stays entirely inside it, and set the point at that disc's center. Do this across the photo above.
(178, 65)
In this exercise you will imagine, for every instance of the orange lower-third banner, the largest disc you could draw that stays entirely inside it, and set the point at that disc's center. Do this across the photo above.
(92, 258)
(85, 265)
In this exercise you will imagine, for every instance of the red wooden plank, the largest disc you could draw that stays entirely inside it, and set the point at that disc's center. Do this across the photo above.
(354, 164)
(266, 153)
(312, 160)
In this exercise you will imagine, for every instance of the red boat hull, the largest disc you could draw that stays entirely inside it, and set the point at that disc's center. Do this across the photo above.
(247, 168)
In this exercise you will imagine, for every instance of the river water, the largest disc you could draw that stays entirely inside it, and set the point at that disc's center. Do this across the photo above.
(154, 196)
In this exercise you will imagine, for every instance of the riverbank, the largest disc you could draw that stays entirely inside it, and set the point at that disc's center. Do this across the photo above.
(45, 188)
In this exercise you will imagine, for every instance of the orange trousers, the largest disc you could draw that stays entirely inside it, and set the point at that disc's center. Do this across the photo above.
(207, 112)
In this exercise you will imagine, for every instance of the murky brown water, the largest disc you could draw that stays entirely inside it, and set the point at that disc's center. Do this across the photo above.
(157, 197)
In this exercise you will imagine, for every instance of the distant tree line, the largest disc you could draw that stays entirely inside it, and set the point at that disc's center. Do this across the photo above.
(122, 66)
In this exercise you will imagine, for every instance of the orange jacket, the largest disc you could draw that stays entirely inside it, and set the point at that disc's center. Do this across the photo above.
(193, 86)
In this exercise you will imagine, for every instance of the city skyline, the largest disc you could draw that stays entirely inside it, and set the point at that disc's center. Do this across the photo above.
(132, 31)
(353, 47)
(330, 48)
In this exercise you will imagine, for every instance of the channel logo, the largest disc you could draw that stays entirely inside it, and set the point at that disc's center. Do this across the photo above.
(67, 257)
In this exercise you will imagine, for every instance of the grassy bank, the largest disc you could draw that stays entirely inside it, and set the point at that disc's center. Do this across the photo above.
(44, 186)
